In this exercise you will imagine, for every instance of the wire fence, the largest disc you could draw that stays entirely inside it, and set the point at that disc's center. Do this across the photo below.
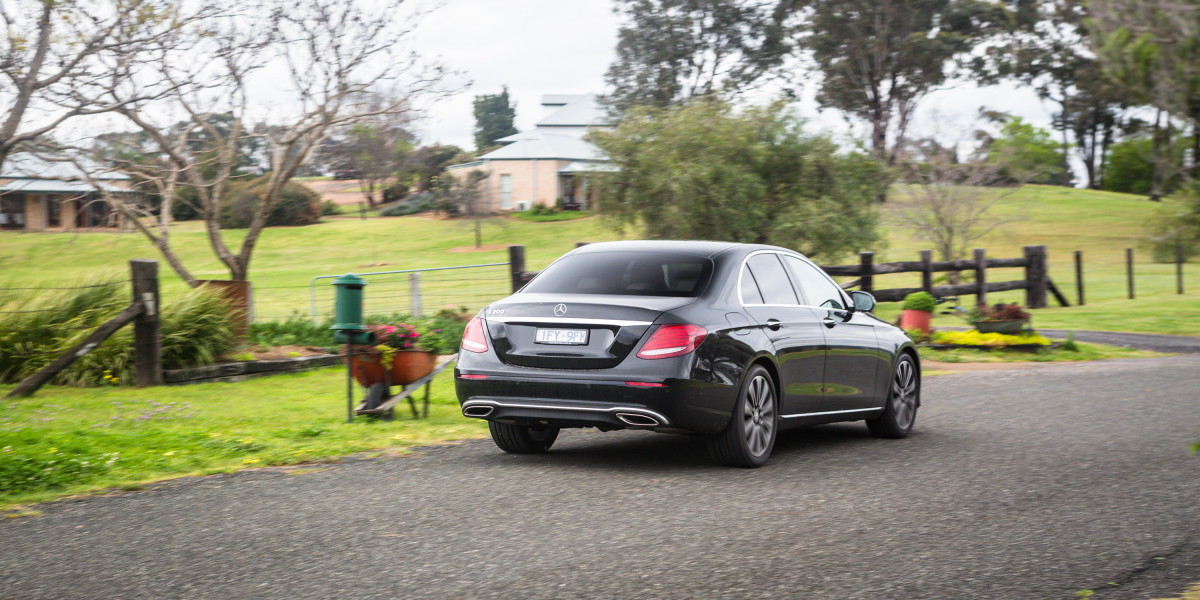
(25, 300)
(410, 291)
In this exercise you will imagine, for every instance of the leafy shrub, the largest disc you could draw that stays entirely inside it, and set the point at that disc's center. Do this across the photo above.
(196, 328)
(395, 192)
(1176, 224)
(295, 331)
(417, 203)
(1130, 166)
(297, 205)
(329, 207)
(922, 301)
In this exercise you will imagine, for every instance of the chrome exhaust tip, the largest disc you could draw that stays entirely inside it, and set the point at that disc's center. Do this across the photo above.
(478, 410)
(637, 420)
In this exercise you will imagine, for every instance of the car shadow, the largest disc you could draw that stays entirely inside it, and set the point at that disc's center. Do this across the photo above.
(655, 452)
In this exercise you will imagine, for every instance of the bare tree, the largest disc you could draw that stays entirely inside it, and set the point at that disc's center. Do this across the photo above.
(949, 204)
(329, 53)
(60, 60)
(465, 197)
(375, 148)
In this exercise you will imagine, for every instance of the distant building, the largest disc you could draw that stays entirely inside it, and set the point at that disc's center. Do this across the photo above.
(548, 165)
(41, 195)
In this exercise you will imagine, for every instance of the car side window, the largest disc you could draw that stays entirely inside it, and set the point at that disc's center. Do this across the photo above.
(749, 288)
(772, 280)
(818, 289)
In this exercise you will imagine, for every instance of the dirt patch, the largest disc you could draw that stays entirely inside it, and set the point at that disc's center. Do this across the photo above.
(484, 248)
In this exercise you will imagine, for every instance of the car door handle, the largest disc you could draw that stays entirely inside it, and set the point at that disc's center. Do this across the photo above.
(829, 322)
(774, 324)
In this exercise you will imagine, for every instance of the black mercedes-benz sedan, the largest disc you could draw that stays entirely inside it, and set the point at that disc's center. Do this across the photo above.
(731, 341)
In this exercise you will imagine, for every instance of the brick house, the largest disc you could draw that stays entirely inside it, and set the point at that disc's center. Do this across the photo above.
(547, 165)
(41, 195)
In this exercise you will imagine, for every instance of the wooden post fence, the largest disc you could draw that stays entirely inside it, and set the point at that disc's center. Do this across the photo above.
(1178, 268)
(516, 266)
(981, 275)
(1036, 276)
(1079, 277)
(147, 328)
(143, 312)
(866, 261)
(1129, 270)
(1037, 284)
(927, 270)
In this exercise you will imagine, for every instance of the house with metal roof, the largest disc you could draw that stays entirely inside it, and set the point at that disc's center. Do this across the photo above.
(37, 194)
(549, 164)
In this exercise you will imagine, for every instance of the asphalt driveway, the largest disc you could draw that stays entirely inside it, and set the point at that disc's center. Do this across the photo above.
(1032, 483)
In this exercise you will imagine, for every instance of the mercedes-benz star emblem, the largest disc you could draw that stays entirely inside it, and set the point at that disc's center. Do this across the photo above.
(560, 310)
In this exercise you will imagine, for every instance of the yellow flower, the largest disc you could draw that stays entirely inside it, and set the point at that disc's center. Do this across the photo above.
(250, 461)
(169, 453)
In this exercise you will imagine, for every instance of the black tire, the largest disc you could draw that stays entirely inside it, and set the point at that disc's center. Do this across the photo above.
(904, 397)
(523, 439)
(750, 436)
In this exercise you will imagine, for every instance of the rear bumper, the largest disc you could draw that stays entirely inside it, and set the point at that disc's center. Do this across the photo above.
(577, 400)
(571, 413)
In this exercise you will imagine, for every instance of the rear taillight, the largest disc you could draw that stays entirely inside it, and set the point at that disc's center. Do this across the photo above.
(474, 338)
(672, 340)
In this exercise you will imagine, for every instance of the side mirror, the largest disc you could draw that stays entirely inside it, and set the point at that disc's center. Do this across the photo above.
(863, 301)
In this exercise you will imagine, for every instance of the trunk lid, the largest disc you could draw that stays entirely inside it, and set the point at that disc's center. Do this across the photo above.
(572, 331)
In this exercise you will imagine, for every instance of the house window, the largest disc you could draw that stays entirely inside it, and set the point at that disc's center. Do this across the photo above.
(12, 212)
(506, 200)
(90, 212)
(53, 211)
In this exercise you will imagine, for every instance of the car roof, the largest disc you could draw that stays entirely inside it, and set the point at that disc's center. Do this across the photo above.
(696, 247)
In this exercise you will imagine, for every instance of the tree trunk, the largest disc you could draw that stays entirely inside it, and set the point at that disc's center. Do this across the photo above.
(1064, 178)
(1156, 183)
(1104, 146)
(1195, 148)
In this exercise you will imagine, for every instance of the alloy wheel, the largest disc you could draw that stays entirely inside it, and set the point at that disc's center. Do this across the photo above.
(904, 394)
(758, 415)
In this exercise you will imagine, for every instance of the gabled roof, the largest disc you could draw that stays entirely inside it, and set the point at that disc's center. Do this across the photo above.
(578, 111)
(559, 99)
(545, 145)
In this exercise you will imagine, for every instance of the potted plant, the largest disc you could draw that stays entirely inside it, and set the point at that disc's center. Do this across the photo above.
(409, 350)
(1000, 318)
(917, 312)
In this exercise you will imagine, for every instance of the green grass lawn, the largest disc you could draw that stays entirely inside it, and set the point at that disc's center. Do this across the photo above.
(1100, 224)
(67, 440)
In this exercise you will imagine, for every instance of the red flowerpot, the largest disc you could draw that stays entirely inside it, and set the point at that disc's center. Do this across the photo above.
(916, 319)
(407, 366)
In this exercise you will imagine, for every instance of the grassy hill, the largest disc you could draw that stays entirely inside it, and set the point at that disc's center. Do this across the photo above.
(1100, 224)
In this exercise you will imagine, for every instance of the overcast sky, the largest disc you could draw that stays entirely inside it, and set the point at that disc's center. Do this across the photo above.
(538, 47)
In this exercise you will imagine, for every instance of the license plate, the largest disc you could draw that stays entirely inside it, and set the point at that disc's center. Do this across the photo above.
(561, 336)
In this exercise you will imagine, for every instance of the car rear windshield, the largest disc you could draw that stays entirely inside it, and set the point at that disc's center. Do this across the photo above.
(625, 274)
